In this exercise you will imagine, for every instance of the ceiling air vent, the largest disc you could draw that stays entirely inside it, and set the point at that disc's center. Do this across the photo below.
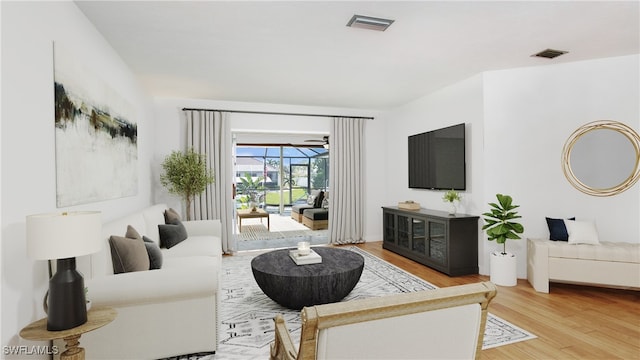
(549, 53)
(368, 22)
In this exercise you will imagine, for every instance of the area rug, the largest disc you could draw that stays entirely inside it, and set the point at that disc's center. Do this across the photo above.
(260, 232)
(255, 237)
(246, 314)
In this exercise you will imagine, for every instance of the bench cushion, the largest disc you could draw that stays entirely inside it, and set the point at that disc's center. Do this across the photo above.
(316, 214)
(300, 208)
(605, 251)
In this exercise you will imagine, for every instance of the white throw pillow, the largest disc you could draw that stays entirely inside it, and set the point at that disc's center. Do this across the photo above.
(582, 232)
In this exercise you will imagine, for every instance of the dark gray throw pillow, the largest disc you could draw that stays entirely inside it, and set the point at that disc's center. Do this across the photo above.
(128, 254)
(557, 229)
(172, 234)
(317, 203)
(154, 252)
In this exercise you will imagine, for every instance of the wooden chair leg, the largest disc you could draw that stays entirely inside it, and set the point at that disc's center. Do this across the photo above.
(282, 348)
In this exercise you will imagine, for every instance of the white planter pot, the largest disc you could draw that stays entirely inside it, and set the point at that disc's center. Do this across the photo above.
(503, 269)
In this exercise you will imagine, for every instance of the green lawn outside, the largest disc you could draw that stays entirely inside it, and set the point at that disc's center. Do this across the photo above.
(273, 197)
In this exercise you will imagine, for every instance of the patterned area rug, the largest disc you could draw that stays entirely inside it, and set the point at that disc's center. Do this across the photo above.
(246, 314)
(260, 232)
(255, 237)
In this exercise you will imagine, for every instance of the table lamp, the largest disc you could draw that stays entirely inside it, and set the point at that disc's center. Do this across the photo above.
(63, 236)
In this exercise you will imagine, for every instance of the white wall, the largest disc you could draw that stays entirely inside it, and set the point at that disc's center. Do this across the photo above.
(529, 114)
(517, 123)
(458, 103)
(170, 123)
(28, 158)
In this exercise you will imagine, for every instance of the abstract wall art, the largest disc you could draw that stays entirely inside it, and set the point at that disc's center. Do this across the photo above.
(95, 135)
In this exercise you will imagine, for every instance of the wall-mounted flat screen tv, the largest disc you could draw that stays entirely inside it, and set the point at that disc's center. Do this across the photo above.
(437, 159)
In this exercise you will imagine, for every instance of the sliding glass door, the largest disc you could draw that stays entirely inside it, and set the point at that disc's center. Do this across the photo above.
(282, 176)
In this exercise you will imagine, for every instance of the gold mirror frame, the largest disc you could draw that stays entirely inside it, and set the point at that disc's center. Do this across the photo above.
(621, 128)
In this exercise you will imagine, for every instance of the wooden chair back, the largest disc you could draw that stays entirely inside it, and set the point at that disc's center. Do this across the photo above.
(442, 323)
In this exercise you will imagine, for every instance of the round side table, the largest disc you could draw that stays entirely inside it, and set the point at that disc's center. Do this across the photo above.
(97, 317)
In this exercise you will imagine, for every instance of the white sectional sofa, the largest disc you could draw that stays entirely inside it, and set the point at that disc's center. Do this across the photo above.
(605, 264)
(163, 312)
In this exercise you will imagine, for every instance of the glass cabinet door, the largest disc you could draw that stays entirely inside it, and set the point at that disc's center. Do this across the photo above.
(418, 236)
(389, 223)
(437, 242)
(404, 231)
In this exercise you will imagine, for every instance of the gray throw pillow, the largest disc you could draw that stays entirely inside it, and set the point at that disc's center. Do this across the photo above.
(172, 234)
(154, 252)
(171, 216)
(128, 254)
(132, 233)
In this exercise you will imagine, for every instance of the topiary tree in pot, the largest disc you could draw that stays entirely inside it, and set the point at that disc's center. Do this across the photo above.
(500, 227)
(186, 175)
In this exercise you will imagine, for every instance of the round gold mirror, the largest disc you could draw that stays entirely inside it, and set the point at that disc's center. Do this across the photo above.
(602, 158)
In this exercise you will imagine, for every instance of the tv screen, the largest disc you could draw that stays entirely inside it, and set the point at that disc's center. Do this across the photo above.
(437, 159)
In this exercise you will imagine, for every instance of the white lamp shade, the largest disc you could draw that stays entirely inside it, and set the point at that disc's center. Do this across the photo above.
(63, 235)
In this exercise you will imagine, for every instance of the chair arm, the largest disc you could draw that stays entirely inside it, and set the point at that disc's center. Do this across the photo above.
(282, 348)
(203, 227)
(153, 286)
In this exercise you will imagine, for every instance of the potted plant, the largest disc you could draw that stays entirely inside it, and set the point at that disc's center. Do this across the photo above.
(186, 175)
(451, 197)
(500, 227)
(251, 188)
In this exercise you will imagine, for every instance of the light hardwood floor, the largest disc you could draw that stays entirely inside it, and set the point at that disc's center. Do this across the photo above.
(571, 322)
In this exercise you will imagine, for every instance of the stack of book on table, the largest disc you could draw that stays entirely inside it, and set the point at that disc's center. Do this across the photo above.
(311, 258)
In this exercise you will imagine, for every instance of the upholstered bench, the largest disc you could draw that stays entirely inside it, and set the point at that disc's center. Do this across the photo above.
(614, 264)
(297, 210)
(316, 219)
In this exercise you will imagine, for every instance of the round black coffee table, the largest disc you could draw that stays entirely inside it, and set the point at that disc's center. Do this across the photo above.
(295, 286)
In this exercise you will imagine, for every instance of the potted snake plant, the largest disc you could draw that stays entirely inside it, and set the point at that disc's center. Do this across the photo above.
(501, 227)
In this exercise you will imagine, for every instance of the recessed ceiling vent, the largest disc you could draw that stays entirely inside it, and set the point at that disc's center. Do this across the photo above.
(549, 53)
(368, 22)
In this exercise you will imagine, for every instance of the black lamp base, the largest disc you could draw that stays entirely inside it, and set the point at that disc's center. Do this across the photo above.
(67, 304)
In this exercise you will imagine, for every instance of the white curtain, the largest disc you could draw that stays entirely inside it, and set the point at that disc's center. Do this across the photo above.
(346, 183)
(209, 133)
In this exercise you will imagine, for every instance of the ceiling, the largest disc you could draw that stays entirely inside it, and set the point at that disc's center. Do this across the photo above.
(302, 52)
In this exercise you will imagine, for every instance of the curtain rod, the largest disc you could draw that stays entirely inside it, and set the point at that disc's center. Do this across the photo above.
(278, 113)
